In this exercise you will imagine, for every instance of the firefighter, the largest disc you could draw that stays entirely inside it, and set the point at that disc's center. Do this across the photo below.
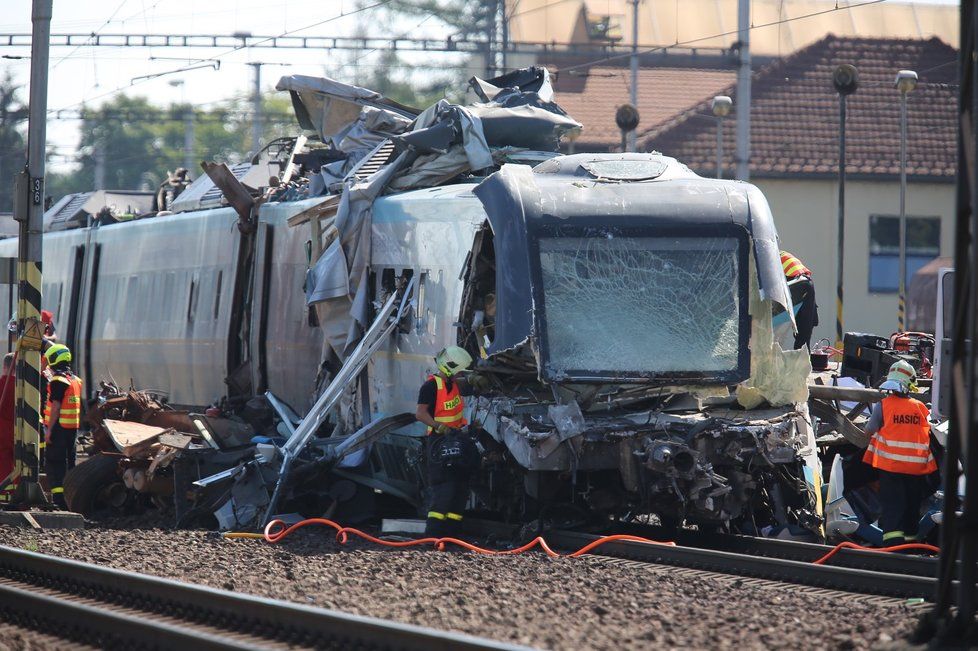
(900, 451)
(800, 278)
(62, 418)
(451, 455)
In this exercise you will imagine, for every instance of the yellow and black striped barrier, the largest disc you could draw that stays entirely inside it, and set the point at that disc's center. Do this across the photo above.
(28, 430)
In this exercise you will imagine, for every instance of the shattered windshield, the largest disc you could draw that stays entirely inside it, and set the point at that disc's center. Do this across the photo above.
(641, 305)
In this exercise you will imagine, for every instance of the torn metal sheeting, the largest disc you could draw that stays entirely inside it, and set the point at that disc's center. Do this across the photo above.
(133, 438)
(234, 191)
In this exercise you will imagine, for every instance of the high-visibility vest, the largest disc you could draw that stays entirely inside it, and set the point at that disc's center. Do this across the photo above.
(792, 266)
(903, 443)
(448, 404)
(70, 416)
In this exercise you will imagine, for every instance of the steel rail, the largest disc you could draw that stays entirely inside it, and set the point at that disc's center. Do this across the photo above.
(807, 552)
(846, 579)
(123, 610)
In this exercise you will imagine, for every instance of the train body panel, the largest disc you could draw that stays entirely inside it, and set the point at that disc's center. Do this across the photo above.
(427, 234)
(285, 344)
(161, 304)
(150, 302)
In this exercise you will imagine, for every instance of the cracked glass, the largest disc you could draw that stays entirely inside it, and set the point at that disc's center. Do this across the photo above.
(644, 305)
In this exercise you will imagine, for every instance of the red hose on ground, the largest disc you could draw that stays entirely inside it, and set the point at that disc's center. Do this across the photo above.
(895, 548)
(276, 530)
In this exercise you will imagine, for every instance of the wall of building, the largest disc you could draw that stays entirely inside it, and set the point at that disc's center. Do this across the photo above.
(806, 212)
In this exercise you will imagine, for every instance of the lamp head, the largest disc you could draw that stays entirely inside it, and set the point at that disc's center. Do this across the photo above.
(721, 106)
(845, 79)
(906, 81)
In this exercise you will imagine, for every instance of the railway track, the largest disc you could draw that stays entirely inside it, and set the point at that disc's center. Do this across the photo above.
(856, 571)
(110, 609)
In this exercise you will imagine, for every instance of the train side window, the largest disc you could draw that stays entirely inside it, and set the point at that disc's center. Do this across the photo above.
(388, 282)
(217, 294)
(421, 314)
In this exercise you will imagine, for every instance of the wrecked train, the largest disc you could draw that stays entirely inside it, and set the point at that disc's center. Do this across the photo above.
(622, 304)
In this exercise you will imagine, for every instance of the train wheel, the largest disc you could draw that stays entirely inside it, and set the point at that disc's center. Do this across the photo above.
(94, 484)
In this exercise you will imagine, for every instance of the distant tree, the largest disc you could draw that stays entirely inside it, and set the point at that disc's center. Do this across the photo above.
(140, 142)
(13, 143)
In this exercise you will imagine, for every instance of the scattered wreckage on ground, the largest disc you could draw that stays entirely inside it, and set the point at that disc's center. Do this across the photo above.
(623, 307)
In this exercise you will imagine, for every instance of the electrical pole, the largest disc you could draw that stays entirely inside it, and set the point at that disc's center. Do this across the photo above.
(632, 143)
(505, 34)
(743, 91)
(188, 137)
(30, 214)
(99, 172)
(256, 110)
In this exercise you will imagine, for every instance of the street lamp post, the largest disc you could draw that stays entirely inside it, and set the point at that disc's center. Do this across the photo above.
(906, 81)
(721, 106)
(846, 80)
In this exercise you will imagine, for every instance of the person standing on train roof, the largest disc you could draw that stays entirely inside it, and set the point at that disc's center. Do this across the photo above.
(451, 456)
(899, 449)
(62, 418)
(800, 278)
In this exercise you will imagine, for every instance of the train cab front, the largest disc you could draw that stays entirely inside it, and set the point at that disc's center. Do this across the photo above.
(616, 301)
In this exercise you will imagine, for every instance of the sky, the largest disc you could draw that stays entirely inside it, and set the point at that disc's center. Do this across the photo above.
(90, 75)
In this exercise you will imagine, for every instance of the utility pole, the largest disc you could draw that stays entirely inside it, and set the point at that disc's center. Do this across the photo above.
(632, 143)
(188, 137)
(505, 35)
(99, 172)
(30, 214)
(743, 91)
(491, 8)
(256, 110)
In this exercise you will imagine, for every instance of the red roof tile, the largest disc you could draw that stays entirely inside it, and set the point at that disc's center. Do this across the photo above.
(795, 114)
(593, 96)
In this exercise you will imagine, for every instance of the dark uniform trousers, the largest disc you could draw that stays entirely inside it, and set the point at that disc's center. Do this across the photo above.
(900, 498)
(59, 458)
(451, 460)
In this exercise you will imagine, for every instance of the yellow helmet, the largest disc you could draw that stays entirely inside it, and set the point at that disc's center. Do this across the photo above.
(452, 360)
(57, 354)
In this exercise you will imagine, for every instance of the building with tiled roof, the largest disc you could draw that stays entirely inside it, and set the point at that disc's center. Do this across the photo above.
(795, 114)
(794, 161)
(592, 94)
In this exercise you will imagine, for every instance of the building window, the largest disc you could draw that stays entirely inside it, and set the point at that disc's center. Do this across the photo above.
(923, 245)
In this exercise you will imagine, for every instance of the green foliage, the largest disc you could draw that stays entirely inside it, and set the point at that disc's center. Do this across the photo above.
(140, 142)
(13, 142)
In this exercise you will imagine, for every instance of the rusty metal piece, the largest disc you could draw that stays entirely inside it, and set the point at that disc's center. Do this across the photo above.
(235, 191)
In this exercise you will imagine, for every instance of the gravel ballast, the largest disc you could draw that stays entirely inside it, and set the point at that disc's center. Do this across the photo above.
(582, 603)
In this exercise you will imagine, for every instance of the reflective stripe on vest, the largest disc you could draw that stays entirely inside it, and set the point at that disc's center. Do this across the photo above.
(792, 266)
(448, 404)
(70, 415)
(902, 445)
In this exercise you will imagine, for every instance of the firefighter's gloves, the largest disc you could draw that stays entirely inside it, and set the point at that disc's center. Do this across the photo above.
(443, 429)
(479, 382)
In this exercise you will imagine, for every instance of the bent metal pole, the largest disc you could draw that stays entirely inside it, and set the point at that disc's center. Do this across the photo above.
(31, 216)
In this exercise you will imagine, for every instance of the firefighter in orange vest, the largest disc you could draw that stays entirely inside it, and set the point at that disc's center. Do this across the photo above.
(900, 451)
(62, 418)
(802, 286)
(451, 455)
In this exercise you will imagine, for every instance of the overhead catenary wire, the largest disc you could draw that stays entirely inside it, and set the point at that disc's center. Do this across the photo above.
(219, 56)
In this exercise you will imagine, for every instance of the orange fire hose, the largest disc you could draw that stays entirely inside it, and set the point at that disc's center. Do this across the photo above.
(277, 530)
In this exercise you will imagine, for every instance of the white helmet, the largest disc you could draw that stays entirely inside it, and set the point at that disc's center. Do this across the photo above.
(452, 360)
